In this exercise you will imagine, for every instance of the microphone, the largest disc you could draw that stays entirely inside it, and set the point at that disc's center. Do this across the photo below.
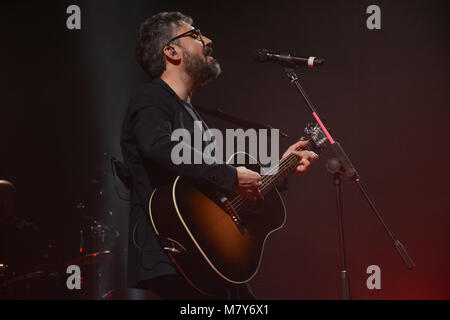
(287, 60)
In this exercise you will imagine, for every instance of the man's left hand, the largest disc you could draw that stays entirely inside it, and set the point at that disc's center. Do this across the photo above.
(306, 157)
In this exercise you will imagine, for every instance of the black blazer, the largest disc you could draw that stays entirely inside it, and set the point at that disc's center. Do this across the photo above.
(153, 113)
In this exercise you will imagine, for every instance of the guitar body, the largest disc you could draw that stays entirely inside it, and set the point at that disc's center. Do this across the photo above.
(211, 248)
(216, 239)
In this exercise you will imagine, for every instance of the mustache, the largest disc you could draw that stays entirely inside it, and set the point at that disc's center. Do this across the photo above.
(208, 51)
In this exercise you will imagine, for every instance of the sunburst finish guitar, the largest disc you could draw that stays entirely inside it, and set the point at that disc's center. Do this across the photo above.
(219, 238)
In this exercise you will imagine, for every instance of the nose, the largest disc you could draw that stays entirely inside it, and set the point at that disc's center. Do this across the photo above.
(207, 41)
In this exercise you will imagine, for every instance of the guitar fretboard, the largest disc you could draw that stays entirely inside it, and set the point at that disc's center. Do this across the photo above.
(284, 169)
(271, 179)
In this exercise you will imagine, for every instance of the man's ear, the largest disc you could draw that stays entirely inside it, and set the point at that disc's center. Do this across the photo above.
(170, 52)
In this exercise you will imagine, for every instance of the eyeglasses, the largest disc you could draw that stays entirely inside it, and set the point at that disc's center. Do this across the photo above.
(194, 33)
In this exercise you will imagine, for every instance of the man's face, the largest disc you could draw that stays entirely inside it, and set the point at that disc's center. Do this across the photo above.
(199, 63)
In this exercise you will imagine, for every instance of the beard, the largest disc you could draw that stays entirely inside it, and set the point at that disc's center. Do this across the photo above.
(201, 70)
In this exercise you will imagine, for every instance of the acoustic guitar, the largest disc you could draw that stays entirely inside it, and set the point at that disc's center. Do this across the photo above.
(215, 238)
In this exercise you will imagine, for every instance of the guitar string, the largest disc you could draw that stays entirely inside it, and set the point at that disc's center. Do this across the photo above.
(239, 201)
(267, 180)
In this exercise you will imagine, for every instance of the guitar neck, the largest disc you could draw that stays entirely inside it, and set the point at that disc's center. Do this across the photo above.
(284, 168)
(271, 178)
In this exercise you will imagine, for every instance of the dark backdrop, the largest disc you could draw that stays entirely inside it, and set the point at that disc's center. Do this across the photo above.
(384, 93)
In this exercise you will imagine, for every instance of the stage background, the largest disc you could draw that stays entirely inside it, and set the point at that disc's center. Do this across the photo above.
(384, 93)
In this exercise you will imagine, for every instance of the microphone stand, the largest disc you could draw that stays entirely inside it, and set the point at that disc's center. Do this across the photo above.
(334, 167)
(350, 172)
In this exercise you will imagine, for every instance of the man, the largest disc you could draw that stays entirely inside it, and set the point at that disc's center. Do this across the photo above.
(177, 58)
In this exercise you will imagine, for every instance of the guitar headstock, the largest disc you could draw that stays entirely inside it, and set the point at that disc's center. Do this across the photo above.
(318, 141)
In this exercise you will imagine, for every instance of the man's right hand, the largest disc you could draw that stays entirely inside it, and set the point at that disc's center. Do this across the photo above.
(248, 183)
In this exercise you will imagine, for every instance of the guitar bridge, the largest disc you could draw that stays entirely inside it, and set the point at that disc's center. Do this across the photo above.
(233, 214)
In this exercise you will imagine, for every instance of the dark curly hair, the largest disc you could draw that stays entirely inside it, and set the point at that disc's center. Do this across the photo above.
(154, 33)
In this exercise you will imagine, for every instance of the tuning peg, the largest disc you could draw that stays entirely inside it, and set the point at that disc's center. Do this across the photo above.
(309, 128)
